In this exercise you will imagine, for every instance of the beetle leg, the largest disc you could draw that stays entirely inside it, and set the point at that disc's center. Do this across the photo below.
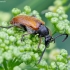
(39, 42)
(7, 26)
(42, 55)
(23, 36)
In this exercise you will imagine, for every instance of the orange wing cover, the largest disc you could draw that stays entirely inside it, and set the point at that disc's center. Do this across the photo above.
(27, 21)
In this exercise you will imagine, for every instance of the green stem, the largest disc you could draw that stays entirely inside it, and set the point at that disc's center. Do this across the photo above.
(5, 65)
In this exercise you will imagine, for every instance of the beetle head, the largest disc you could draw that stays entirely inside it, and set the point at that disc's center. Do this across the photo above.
(49, 38)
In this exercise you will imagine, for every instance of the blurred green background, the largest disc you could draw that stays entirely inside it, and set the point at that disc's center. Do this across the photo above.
(39, 5)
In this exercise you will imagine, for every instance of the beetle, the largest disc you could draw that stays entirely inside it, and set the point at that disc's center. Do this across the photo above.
(34, 26)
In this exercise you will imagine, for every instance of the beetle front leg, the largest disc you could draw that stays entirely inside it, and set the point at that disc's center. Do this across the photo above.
(42, 55)
(39, 42)
(23, 36)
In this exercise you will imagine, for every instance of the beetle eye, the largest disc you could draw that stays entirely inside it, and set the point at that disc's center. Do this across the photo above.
(47, 40)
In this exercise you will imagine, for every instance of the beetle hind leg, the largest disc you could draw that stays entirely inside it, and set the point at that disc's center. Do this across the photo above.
(6, 26)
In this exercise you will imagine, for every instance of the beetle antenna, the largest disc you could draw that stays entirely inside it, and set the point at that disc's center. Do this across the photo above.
(62, 35)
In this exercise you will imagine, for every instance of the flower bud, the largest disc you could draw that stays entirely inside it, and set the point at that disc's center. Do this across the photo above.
(27, 9)
(16, 11)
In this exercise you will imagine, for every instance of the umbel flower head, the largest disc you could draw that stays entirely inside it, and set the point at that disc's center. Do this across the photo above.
(17, 55)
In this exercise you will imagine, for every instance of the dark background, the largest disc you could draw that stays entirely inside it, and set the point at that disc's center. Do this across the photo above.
(38, 5)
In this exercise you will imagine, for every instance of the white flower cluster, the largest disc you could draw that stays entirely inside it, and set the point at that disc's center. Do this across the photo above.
(60, 20)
